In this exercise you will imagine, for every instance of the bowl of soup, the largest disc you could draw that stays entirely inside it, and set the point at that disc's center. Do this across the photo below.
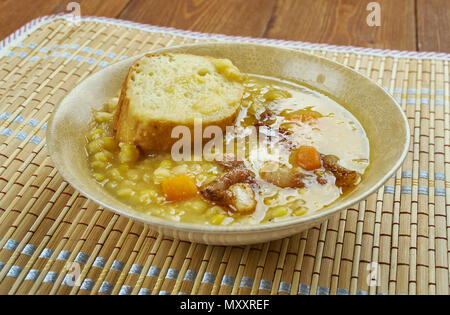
(311, 138)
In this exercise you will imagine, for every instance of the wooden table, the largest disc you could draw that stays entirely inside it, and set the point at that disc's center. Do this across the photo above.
(418, 25)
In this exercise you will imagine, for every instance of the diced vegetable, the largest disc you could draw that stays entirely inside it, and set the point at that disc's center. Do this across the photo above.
(308, 158)
(128, 153)
(179, 188)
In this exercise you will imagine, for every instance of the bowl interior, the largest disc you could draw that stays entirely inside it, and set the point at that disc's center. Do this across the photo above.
(383, 120)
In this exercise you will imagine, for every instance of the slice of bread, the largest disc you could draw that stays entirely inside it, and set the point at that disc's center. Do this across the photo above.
(167, 90)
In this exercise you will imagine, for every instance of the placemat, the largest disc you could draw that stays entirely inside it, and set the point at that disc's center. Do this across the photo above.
(55, 241)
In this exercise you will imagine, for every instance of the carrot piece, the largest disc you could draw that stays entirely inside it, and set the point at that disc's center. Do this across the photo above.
(308, 158)
(179, 188)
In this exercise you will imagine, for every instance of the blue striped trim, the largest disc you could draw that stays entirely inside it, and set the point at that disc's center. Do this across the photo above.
(50, 277)
(398, 90)
(144, 291)
(423, 190)
(14, 272)
(66, 55)
(439, 92)
(46, 253)
(29, 250)
(423, 174)
(208, 278)
(323, 291)
(439, 192)
(90, 61)
(406, 190)
(106, 287)
(69, 280)
(246, 282)
(82, 258)
(172, 274)
(125, 290)
(411, 101)
(163, 293)
(304, 289)
(21, 135)
(360, 292)
(342, 292)
(87, 285)
(153, 272)
(7, 132)
(425, 91)
(190, 275)
(136, 269)
(439, 102)
(425, 101)
(63, 255)
(411, 91)
(1, 265)
(78, 58)
(103, 64)
(389, 189)
(407, 174)
(19, 119)
(227, 280)
(117, 265)
(32, 275)
(75, 47)
(33, 122)
(99, 262)
(111, 55)
(5, 115)
(11, 245)
(439, 176)
(99, 52)
(265, 285)
(284, 287)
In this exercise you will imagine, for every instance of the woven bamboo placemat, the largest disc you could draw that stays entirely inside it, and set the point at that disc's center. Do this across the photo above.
(49, 232)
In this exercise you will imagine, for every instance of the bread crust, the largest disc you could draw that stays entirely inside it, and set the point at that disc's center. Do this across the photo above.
(152, 135)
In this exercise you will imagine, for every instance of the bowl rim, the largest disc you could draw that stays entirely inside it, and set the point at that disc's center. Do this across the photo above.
(166, 224)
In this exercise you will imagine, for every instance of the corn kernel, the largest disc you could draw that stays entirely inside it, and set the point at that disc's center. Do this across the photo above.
(95, 146)
(112, 185)
(147, 196)
(166, 164)
(133, 175)
(109, 143)
(102, 117)
(125, 193)
(180, 169)
(128, 153)
(98, 165)
(103, 156)
(99, 177)
(95, 134)
(217, 219)
(114, 174)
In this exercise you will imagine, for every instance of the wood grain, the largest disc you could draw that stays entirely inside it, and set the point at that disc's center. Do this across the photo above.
(16, 13)
(433, 24)
(232, 17)
(343, 22)
(405, 24)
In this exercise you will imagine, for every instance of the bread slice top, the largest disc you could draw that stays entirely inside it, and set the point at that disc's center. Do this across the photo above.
(179, 88)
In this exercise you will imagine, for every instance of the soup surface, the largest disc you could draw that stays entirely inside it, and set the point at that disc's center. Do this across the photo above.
(291, 152)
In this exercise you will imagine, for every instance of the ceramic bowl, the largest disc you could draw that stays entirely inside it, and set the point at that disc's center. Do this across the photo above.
(382, 118)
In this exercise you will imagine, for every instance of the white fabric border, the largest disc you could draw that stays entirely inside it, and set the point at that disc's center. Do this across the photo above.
(25, 30)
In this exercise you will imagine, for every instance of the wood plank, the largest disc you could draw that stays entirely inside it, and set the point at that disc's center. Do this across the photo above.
(16, 13)
(343, 22)
(232, 17)
(433, 25)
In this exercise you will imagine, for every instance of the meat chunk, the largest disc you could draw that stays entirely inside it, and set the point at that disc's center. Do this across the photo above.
(344, 178)
(233, 189)
(241, 198)
(282, 176)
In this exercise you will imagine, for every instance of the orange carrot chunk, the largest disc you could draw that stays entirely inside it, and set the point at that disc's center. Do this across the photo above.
(308, 158)
(179, 188)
